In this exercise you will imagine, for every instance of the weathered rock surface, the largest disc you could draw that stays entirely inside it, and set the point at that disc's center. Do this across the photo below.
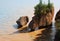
(22, 21)
(57, 23)
(57, 16)
(42, 20)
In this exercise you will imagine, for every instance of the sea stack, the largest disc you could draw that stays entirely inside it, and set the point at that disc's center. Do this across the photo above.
(22, 21)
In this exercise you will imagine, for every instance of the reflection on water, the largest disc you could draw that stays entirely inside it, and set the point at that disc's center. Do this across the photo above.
(53, 30)
(57, 36)
(47, 35)
(8, 21)
(7, 26)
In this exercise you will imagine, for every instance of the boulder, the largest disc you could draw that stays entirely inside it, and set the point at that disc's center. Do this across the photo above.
(22, 21)
(57, 18)
(43, 20)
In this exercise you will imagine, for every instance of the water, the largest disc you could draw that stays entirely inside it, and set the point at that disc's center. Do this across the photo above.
(57, 36)
(48, 34)
(8, 25)
(53, 31)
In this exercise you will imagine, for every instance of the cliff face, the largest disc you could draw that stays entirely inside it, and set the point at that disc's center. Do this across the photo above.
(57, 23)
(42, 20)
(57, 16)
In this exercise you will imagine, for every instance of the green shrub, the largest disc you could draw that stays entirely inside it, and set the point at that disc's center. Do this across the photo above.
(42, 8)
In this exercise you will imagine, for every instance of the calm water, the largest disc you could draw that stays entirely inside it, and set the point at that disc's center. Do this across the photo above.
(8, 25)
(57, 37)
(8, 22)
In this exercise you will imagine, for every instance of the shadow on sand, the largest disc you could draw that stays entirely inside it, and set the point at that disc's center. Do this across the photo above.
(45, 36)
(20, 30)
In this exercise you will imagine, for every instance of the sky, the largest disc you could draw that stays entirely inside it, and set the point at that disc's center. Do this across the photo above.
(11, 10)
(22, 7)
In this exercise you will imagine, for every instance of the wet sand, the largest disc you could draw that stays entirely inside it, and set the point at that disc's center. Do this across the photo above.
(21, 36)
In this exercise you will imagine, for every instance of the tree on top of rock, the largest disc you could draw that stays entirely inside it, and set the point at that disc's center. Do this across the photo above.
(42, 8)
(41, 2)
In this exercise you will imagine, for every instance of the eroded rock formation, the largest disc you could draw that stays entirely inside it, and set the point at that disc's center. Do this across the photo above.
(22, 21)
(57, 23)
(57, 16)
(41, 20)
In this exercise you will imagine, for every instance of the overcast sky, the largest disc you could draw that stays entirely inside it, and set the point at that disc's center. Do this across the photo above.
(11, 10)
(22, 7)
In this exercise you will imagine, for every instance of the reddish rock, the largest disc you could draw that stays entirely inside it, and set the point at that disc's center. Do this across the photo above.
(41, 20)
(22, 21)
(57, 16)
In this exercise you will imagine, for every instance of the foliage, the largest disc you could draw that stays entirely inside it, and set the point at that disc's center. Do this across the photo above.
(42, 8)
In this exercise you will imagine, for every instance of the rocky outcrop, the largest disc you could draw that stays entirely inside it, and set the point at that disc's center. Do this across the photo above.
(22, 21)
(57, 16)
(57, 23)
(41, 20)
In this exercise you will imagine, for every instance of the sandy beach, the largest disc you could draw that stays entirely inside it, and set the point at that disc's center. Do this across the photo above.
(30, 36)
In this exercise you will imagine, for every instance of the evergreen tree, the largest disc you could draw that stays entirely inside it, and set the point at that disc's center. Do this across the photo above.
(41, 2)
(49, 3)
(42, 8)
